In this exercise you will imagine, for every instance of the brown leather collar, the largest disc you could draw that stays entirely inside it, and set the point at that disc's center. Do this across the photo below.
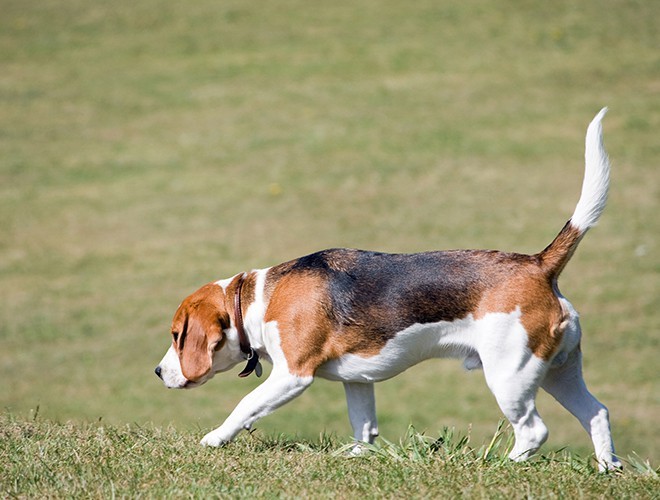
(251, 355)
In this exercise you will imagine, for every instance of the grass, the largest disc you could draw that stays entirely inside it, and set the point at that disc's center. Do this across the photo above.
(149, 147)
(95, 460)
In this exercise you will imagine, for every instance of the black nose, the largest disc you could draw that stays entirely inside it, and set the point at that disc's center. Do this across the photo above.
(158, 370)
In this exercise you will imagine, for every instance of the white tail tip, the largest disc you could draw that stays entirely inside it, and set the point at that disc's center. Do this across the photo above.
(596, 177)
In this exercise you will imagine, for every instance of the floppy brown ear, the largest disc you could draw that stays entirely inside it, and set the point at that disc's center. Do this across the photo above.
(202, 334)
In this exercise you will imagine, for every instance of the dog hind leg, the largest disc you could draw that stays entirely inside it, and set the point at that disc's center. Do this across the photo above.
(566, 384)
(514, 383)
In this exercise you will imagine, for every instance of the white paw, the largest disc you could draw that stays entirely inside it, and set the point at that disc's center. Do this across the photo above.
(214, 439)
(359, 449)
(610, 465)
(356, 451)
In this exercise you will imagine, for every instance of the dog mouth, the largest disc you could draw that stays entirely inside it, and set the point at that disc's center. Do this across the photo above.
(179, 382)
(191, 384)
(173, 378)
(188, 384)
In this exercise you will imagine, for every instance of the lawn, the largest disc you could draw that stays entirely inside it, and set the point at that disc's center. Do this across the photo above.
(100, 461)
(149, 147)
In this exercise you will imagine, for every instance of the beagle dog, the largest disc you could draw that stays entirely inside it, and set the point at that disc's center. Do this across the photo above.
(360, 317)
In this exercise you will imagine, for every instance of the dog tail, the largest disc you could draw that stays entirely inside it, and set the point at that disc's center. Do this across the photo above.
(590, 206)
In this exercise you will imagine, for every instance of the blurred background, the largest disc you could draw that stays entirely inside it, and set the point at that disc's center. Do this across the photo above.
(149, 147)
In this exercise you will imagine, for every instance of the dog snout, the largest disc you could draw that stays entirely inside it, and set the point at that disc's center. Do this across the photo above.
(158, 371)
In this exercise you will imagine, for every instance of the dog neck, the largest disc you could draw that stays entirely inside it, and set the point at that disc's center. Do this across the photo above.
(251, 355)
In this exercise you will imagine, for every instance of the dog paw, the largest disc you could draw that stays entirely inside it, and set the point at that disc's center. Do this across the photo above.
(359, 449)
(214, 440)
(613, 465)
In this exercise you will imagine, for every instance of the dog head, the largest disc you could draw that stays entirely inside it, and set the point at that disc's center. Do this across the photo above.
(200, 346)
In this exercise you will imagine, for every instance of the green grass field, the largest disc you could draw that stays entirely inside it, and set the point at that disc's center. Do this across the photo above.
(149, 147)
(76, 460)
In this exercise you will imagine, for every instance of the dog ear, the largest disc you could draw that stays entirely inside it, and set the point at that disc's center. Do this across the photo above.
(203, 334)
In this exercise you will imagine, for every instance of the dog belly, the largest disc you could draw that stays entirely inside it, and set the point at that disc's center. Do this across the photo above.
(456, 339)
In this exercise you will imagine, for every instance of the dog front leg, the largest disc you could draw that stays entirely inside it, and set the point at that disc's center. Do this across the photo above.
(361, 412)
(279, 388)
